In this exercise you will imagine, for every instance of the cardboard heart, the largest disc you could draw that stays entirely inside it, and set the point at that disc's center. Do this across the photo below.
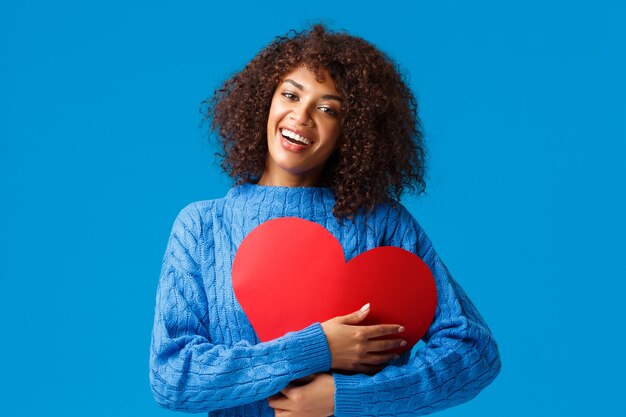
(290, 272)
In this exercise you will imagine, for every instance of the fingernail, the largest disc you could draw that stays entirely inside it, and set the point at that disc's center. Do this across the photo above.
(400, 329)
(403, 343)
(365, 307)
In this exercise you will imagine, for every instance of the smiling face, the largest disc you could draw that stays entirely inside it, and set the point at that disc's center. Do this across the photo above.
(302, 129)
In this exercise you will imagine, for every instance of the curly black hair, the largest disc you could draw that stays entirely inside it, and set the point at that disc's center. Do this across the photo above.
(381, 149)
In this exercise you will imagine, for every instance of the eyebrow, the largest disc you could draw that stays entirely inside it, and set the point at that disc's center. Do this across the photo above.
(325, 96)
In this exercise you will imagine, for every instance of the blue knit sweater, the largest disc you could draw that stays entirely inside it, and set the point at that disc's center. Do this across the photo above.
(205, 356)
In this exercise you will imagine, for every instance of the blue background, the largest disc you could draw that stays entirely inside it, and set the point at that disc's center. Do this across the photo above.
(101, 145)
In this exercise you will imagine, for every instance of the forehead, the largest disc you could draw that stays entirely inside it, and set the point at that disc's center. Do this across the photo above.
(308, 80)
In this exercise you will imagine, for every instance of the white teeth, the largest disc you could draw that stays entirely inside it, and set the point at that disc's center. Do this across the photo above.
(295, 136)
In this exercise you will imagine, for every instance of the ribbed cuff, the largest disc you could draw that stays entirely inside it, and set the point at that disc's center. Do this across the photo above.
(347, 400)
(309, 351)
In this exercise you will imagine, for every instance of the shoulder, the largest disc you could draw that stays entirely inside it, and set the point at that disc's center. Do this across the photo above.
(196, 219)
(394, 217)
(402, 229)
(194, 214)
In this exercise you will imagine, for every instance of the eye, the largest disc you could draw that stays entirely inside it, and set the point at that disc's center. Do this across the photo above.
(290, 96)
(329, 110)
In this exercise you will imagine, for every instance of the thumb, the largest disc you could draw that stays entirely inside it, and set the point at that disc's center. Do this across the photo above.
(357, 316)
(288, 390)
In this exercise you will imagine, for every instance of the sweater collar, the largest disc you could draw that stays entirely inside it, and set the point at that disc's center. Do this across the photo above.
(276, 201)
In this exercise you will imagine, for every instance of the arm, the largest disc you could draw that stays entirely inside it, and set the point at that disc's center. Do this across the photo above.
(460, 357)
(188, 371)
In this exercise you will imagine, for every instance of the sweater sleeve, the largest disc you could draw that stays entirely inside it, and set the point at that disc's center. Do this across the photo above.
(188, 372)
(460, 356)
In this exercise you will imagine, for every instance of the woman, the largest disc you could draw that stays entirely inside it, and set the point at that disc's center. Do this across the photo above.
(320, 126)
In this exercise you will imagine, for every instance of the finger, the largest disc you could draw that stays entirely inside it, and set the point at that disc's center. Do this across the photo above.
(276, 396)
(281, 403)
(280, 413)
(379, 330)
(385, 344)
(302, 381)
(357, 316)
(286, 392)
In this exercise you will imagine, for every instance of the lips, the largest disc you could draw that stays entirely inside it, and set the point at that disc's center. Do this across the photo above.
(295, 142)
(295, 136)
(289, 146)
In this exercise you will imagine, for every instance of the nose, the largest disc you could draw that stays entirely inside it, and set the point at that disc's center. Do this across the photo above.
(300, 115)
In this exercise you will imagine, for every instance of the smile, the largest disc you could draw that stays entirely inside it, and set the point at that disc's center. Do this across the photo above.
(294, 137)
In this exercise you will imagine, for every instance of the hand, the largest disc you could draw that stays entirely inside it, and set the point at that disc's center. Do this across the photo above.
(352, 347)
(315, 399)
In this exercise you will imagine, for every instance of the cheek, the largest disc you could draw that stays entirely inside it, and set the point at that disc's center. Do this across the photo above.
(271, 117)
(274, 105)
(276, 113)
(332, 133)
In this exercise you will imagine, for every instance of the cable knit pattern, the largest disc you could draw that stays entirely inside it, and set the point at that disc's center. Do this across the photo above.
(205, 356)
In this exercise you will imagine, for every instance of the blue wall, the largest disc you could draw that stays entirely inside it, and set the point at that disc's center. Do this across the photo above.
(100, 147)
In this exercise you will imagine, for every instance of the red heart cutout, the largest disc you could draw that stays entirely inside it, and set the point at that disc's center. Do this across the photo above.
(290, 272)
